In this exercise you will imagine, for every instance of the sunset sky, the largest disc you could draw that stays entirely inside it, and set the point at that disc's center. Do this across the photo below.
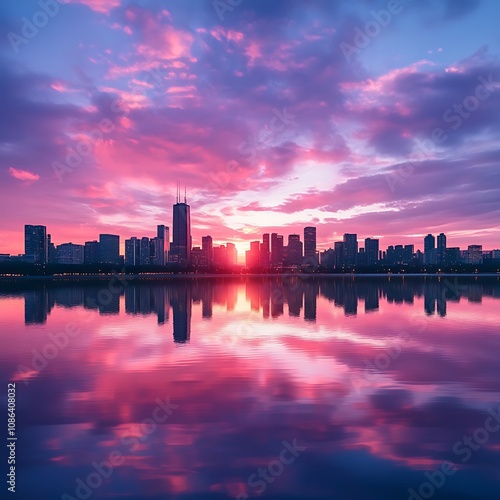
(270, 112)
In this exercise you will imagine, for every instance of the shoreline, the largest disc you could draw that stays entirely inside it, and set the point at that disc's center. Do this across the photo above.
(169, 276)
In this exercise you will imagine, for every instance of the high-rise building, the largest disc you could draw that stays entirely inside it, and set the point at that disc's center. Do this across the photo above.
(441, 249)
(350, 249)
(51, 251)
(220, 257)
(157, 251)
(91, 252)
(145, 254)
(295, 251)
(310, 244)
(180, 248)
(207, 245)
(361, 257)
(198, 259)
(371, 251)
(36, 243)
(161, 242)
(276, 249)
(475, 254)
(453, 256)
(408, 252)
(338, 248)
(132, 252)
(430, 256)
(68, 253)
(109, 249)
(252, 256)
(232, 254)
(264, 254)
(327, 258)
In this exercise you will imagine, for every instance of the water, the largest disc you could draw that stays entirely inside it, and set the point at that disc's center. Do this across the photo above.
(272, 388)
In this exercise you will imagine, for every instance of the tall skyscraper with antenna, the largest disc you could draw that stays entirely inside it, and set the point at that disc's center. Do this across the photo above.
(180, 248)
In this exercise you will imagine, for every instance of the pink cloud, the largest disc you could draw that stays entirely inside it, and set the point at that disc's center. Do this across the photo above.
(102, 6)
(23, 175)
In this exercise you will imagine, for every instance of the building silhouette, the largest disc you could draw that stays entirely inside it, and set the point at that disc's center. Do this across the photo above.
(36, 243)
(350, 249)
(207, 246)
(295, 252)
(252, 256)
(276, 249)
(430, 256)
(310, 243)
(109, 249)
(264, 251)
(69, 253)
(180, 248)
(232, 254)
(371, 251)
(441, 249)
(132, 252)
(338, 249)
(91, 252)
(161, 242)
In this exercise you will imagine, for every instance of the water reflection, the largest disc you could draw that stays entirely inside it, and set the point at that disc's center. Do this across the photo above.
(266, 295)
(377, 378)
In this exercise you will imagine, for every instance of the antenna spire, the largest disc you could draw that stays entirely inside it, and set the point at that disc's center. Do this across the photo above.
(185, 197)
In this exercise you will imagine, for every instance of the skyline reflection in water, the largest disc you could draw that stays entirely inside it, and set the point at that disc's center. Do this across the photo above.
(377, 378)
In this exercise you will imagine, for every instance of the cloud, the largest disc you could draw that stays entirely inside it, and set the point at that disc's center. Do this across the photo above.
(101, 6)
(23, 175)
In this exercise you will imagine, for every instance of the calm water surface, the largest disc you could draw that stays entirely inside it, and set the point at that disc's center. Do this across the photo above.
(272, 388)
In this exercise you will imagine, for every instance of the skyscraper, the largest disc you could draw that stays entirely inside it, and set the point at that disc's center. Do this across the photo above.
(132, 252)
(182, 241)
(339, 254)
(430, 249)
(276, 249)
(350, 249)
(51, 251)
(441, 249)
(36, 243)
(475, 254)
(220, 257)
(310, 244)
(264, 251)
(109, 249)
(232, 254)
(91, 252)
(371, 251)
(161, 242)
(252, 255)
(145, 252)
(294, 250)
(68, 253)
(157, 251)
(207, 245)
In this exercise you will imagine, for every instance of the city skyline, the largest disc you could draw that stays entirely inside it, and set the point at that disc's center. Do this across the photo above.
(268, 253)
(383, 134)
(300, 252)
